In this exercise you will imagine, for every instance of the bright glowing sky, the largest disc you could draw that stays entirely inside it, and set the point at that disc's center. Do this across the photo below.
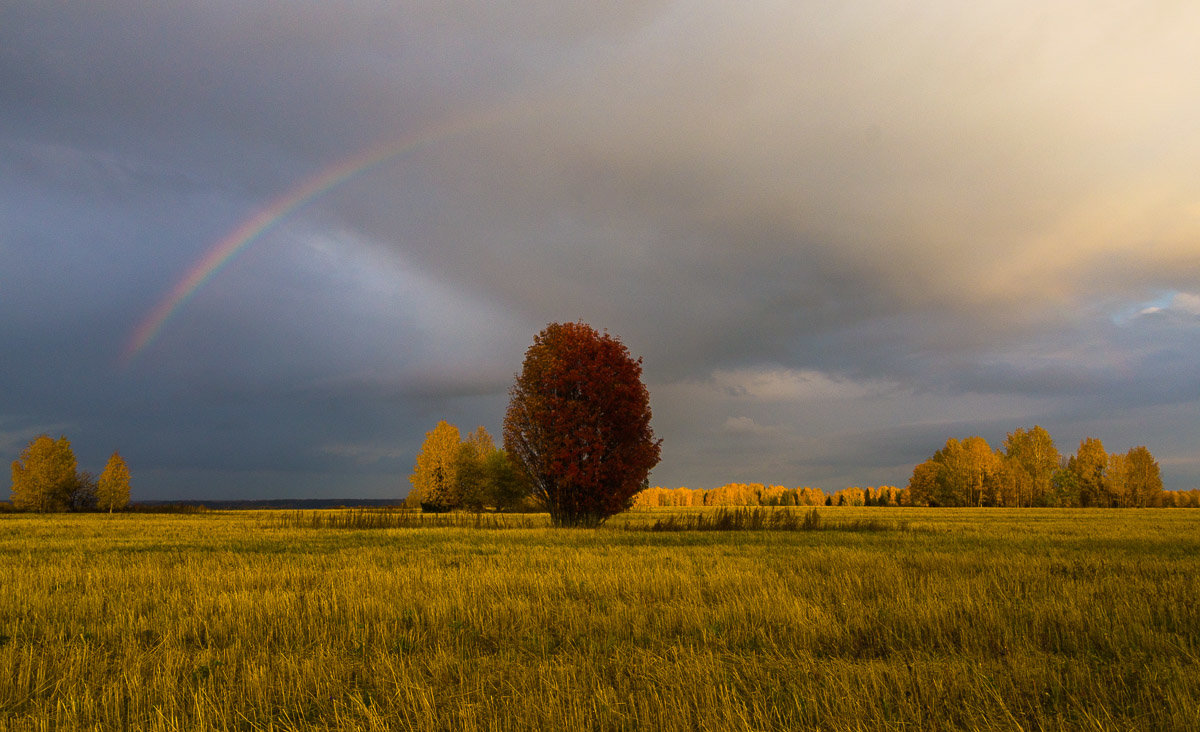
(837, 233)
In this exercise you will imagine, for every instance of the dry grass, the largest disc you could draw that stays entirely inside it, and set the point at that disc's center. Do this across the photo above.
(979, 619)
(762, 519)
(399, 518)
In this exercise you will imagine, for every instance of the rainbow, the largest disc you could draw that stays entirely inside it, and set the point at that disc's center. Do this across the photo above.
(263, 220)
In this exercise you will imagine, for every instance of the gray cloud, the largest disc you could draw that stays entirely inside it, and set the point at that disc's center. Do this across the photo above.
(931, 215)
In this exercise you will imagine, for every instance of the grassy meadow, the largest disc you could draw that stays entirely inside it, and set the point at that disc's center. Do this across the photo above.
(874, 618)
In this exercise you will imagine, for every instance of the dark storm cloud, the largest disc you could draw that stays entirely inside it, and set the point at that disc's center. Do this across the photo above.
(835, 233)
(824, 195)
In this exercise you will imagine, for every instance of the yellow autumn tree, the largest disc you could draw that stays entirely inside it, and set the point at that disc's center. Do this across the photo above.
(1133, 479)
(852, 496)
(1090, 466)
(44, 478)
(925, 485)
(771, 495)
(812, 496)
(1030, 459)
(475, 489)
(965, 473)
(888, 495)
(434, 478)
(679, 497)
(112, 488)
(647, 497)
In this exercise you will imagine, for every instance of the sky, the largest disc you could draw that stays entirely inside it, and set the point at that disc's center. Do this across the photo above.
(262, 247)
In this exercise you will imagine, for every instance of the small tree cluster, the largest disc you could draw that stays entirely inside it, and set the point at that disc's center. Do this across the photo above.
(473, 474)
(757, 494)
(1029, 471)
(46, 479)
(884, 495)
(1181, 499)
(656, 496)
(112, 487)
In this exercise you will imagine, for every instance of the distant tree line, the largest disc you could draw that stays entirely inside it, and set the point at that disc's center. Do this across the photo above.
(758, 494)
(455, 473)
(1027, 471)
(46, 479)
(1030, 471)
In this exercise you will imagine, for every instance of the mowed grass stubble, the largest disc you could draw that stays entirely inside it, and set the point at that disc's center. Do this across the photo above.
(987, 619)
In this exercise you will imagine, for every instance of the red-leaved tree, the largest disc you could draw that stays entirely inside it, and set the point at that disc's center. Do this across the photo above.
(578, 424)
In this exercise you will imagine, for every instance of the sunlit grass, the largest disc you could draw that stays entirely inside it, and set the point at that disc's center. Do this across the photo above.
(399, 518)
(986, 619)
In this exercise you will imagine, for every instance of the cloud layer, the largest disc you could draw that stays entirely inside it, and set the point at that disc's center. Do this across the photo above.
(837, 235)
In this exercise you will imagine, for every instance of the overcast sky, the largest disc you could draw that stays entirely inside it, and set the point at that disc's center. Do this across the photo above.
(838, 233)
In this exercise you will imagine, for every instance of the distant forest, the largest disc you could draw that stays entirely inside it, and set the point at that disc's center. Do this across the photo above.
(1028, 471)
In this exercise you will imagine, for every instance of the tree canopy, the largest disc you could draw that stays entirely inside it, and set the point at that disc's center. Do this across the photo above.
(578, 424)
(470, 473)
(1089, 465)
(1031, 472)
(44, 477)
(435, 477)
(112, 488)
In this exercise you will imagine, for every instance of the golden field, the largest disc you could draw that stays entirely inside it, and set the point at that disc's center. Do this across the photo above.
(880, 618)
